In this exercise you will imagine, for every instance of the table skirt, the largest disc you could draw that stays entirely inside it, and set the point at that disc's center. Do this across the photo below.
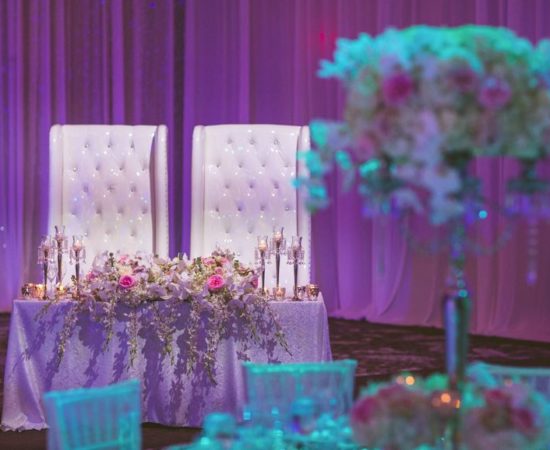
(170, 396)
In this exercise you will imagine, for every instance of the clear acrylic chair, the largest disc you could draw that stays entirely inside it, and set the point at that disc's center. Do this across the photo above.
(278, 394)
(538, 378)
(106, 418)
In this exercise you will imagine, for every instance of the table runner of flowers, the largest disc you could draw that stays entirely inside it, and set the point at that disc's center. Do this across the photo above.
(216, 289)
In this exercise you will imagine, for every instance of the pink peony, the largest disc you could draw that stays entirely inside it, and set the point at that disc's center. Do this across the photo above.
(497, 397)
(494, 93)
(364, 410)
(215, 282)
(127, 281)
(254, 282)
(397, 88)
(91, 276)
(524, 421)
(463, 78)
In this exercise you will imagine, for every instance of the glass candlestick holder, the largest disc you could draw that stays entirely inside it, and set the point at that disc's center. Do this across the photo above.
(262, 257)
(46, 251)
(295, 255)
(61, 247)
(78, 255)
(278, 246)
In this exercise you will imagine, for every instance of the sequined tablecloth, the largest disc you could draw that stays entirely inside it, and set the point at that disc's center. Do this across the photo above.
(169, 396)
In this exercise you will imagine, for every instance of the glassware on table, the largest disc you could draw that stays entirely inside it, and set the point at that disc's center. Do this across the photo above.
(46, 252)
(262, 257)
(78, 255)
(312, 291)
(277, 248)
(51, 278)
(295, 257)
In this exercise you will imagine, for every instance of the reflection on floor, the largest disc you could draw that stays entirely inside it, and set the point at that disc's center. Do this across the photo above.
(382, 350)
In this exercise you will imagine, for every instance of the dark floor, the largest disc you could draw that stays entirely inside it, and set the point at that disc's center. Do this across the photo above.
(382, 351)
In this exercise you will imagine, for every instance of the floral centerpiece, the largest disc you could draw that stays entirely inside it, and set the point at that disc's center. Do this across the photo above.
(424, 101)
(149, 291)
(411, 413)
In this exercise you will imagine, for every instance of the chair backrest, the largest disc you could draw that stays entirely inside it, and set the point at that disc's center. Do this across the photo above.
(109, 183)
(273, 390)
(242, 188)
(95, 418)
(537, 378)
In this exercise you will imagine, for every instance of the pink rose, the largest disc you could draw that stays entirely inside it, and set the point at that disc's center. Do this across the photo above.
(364, 410)
(463, 78)
(127, 281)
(524, 421)
(219, 270)
(91, 276)
(215, 282)
(254, 282)
(397, 88)
(497, 397)
(494, 93)
(208, 261)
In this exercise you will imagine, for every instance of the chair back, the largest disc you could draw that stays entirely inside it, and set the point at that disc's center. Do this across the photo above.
(109, 183)
(105, 418)
(242, 188)
(537, 378)
(274, 391)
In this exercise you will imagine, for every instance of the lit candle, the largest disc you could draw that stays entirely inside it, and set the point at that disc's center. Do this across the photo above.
(262, 246)
(278, 237)
(59, 233)
(39, 291)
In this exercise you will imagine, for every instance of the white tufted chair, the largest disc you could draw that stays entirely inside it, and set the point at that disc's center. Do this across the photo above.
(109, 183)
(242, 188)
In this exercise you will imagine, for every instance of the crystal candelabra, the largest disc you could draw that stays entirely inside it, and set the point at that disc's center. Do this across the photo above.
(46, 250)
(262, 256)
(61, 247)
(278, 246)
(296, 257)
(78, 255)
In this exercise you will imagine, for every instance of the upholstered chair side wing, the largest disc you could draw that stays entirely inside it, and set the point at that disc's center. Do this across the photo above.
(160, 192)
(304, 217)
(55, 193)
(197, 192)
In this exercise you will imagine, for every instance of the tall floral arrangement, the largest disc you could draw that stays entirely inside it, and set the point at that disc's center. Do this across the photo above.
(411, 413)
(421, 103)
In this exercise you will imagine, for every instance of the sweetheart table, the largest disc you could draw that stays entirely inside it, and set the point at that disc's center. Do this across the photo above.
(170, 396)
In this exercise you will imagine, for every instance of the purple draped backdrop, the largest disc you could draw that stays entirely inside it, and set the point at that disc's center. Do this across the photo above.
(184, 63)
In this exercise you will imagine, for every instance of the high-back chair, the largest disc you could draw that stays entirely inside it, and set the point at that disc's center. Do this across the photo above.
(242, 188)
(95, 418)
(109, 183)
(273, 391)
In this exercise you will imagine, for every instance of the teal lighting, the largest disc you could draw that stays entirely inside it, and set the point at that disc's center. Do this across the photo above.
(369, 166)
